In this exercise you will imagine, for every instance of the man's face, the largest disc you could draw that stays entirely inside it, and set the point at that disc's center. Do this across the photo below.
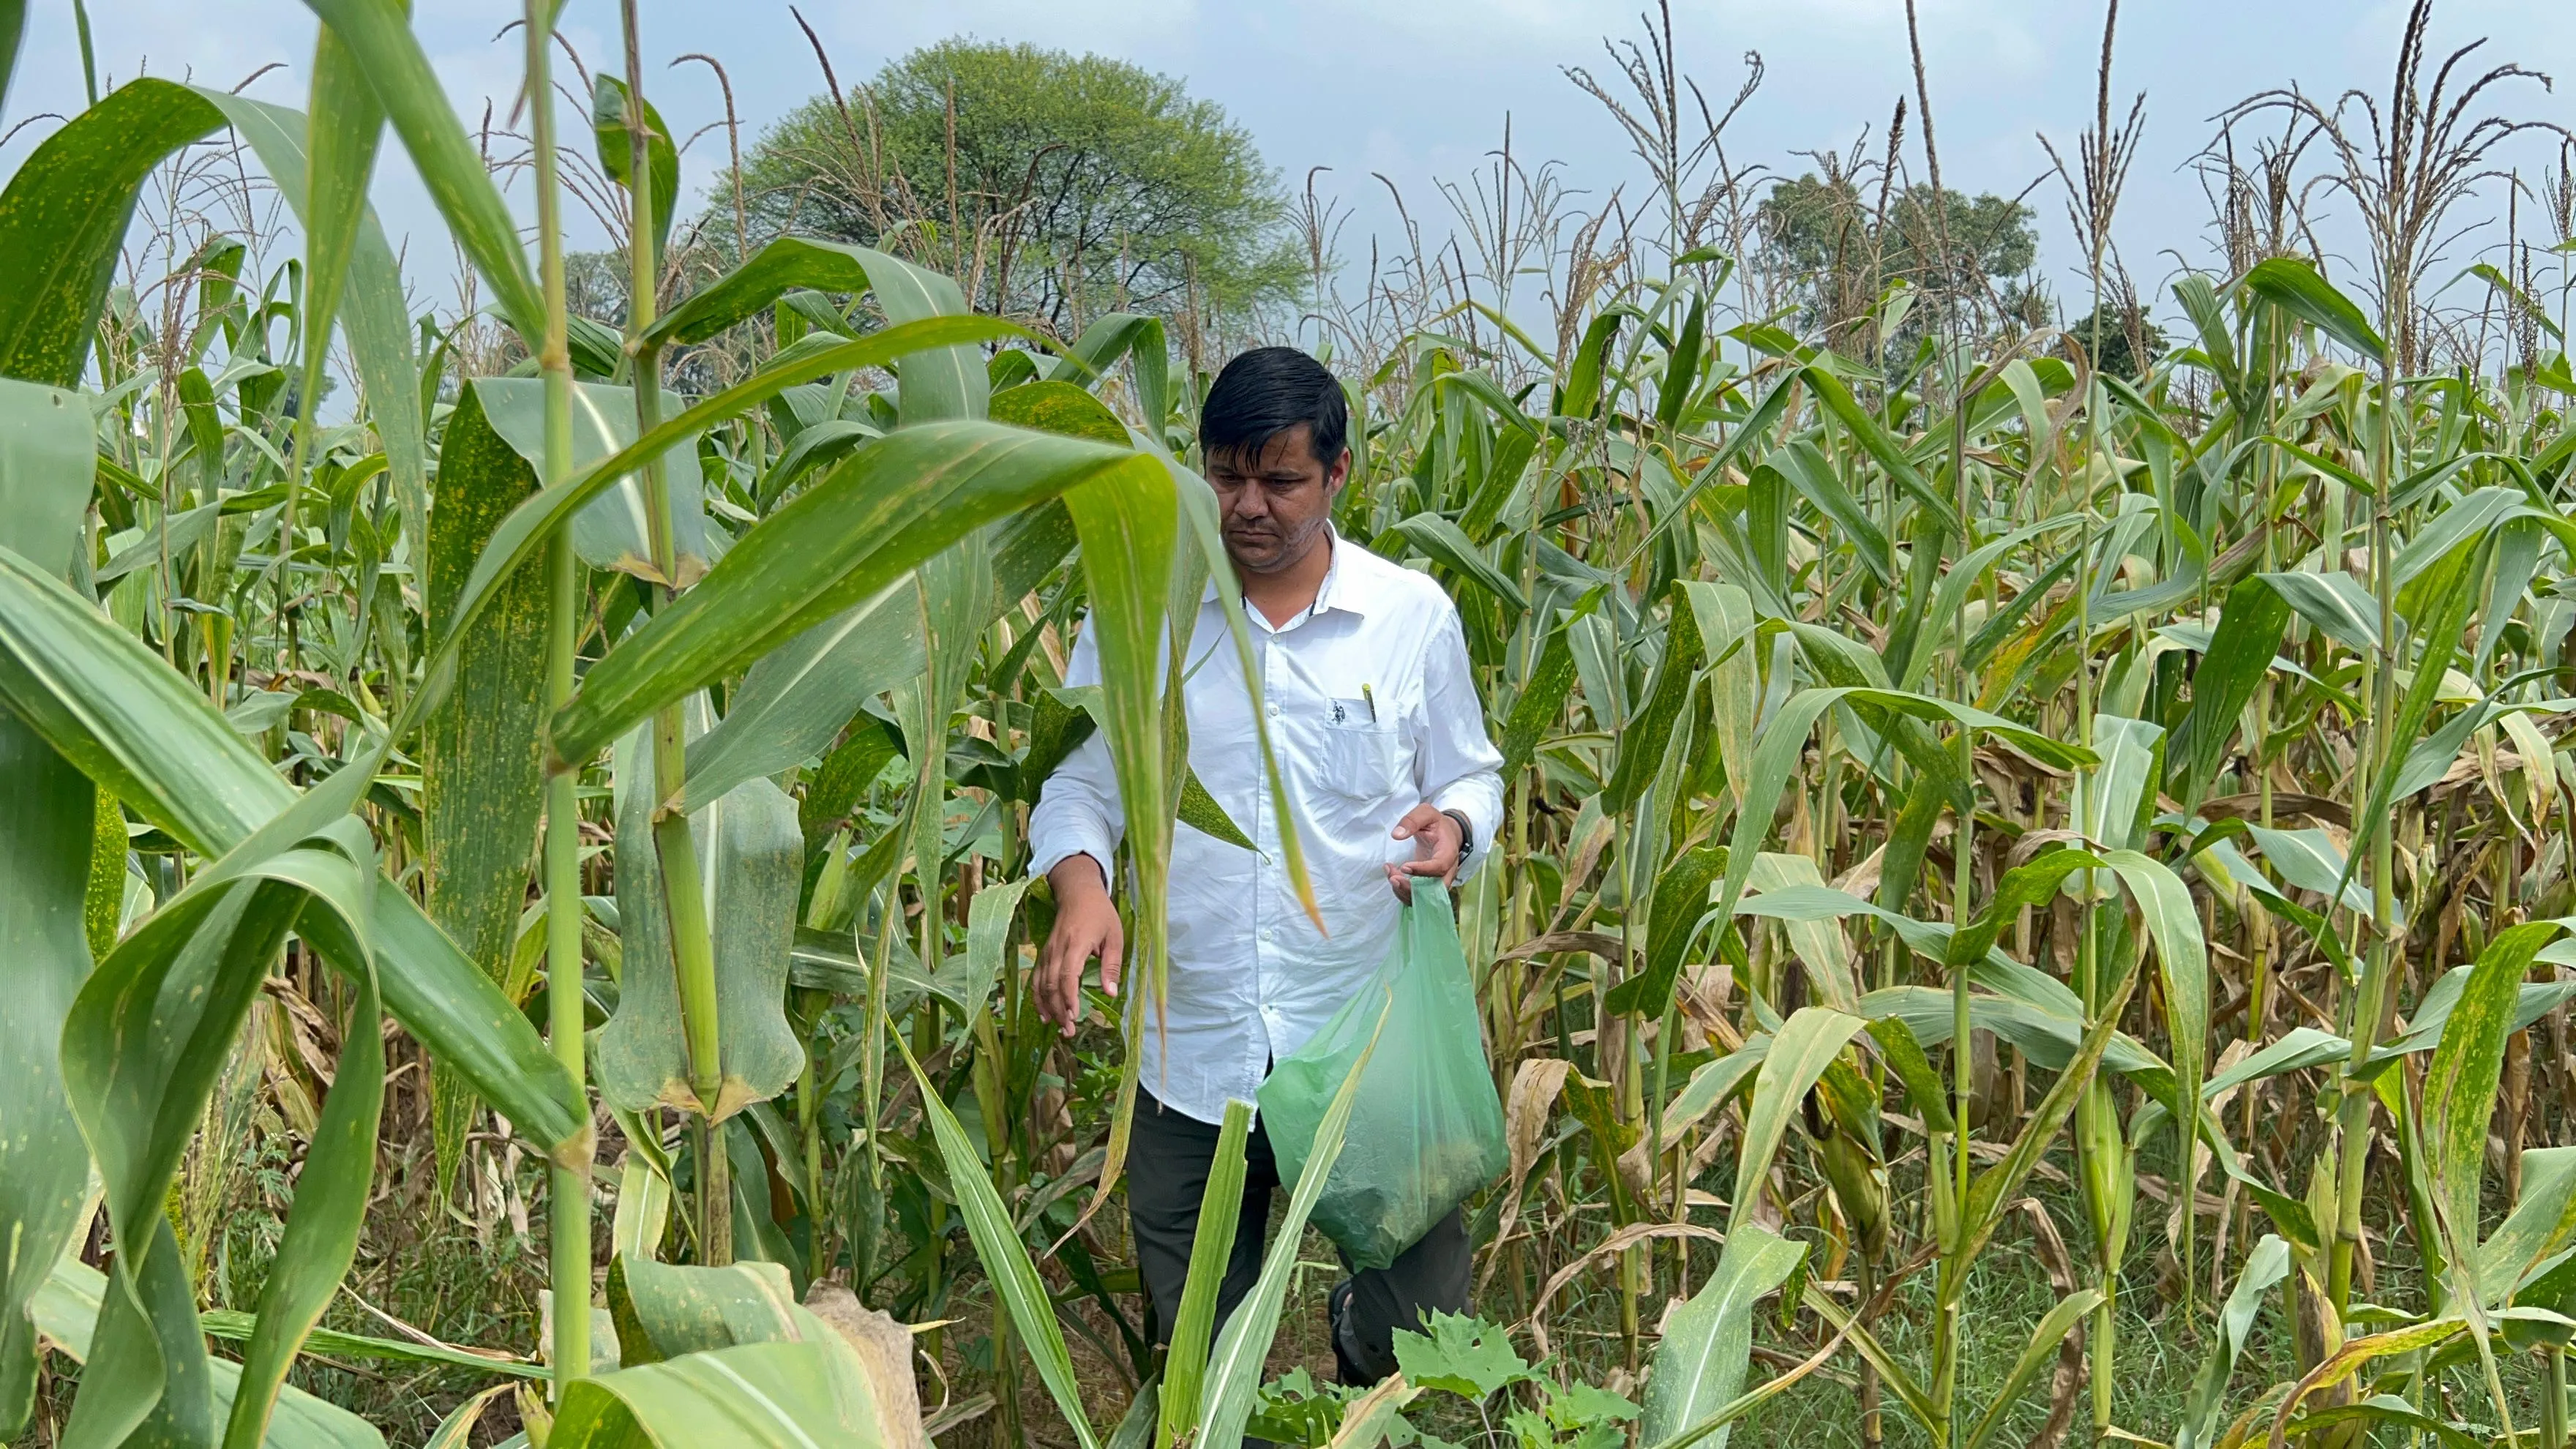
(1275, 505)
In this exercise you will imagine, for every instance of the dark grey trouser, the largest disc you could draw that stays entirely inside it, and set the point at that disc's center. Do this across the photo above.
(1168, 1158)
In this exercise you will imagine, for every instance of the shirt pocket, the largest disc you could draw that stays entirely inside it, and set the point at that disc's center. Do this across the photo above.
(1362, 760)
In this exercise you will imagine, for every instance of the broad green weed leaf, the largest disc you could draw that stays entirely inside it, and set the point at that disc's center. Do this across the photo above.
(1466, 1356)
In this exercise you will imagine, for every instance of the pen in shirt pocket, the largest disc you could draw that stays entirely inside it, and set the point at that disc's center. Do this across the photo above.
(1369, 698)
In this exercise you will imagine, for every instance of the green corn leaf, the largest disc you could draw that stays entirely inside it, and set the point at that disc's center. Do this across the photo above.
(946, 382)
(1144, 1418)
(1699, 1365)
(1992, 1191)
(836, 787)
(68, 1308)
(2173, 928)
(798, 696)
(2264, 1269)
(1679, 903)
(148, 1375)
(663, 1311)
(1128, 518)
(1014, 1278)
(1713, 1084)
(2060, 1320)
(321, 1236)
(611, 532)
(48, 813)
(1581, 396)
(1820, 948)
(13, 36)
(892, 506)
(1807, 470)
(1541, 702)
(1874, 439)
(2460, 1084)
(351, 275)
(1952, 595)
(1124, 334)
(483, 751)
(1210, 1251)
(784, 1394)
(133, 725)
(2297, 1049)
(2442, 640)
(2446, 533)
(2310, 860)
(1234, 1378)
(45, 813)
(520, 536)
(1908, 1393)
(1800, 1052)
(329, 196)
(1681, 365)
(1446, 543)
(1197, 508)
(64, 215)
(379, 42)
(2293, 285)
(1784, 741)
(988, 930)
(2240, 654)
(1905, 1057)
(143, 1044)
(1641, 742)
(616, 150)
(1200, 811)
(2543, 1218)
(2024, 886)
(2334, 602)
(754, 859)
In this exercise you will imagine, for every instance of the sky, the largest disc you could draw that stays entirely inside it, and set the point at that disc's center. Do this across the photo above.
(1417, 90)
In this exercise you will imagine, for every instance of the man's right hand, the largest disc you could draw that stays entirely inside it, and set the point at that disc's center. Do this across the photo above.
(1086, 925)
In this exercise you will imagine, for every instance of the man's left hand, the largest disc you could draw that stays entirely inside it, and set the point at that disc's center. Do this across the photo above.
(1435, 840)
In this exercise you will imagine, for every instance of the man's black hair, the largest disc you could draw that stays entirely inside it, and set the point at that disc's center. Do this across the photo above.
(1264, 393)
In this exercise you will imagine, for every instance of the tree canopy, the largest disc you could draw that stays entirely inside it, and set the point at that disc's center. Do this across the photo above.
(2129, 342)
(1057, 186)
(1845, 245)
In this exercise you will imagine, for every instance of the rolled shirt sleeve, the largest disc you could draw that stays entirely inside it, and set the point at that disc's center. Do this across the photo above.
(1460, 768)
(1078, 810)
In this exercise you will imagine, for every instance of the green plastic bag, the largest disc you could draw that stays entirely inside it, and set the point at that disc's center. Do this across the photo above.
(1426, 1127)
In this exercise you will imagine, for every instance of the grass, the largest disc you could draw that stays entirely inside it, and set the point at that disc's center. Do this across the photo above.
(433, 1269)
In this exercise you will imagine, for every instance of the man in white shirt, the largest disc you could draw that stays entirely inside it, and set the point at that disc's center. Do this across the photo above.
(1390, 776)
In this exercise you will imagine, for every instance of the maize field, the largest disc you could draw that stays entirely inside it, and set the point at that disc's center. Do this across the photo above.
(2036, 904)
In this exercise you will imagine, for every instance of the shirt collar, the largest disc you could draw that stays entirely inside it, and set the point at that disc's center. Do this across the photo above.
(1338, 590)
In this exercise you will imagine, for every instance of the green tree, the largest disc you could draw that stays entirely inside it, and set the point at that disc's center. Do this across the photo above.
(2129, 340)
(1841, 244)
(1057, 186)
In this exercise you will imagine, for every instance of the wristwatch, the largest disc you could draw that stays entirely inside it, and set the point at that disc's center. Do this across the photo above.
(1466, 837)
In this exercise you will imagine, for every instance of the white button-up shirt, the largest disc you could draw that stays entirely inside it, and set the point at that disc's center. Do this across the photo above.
(1372, 711)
